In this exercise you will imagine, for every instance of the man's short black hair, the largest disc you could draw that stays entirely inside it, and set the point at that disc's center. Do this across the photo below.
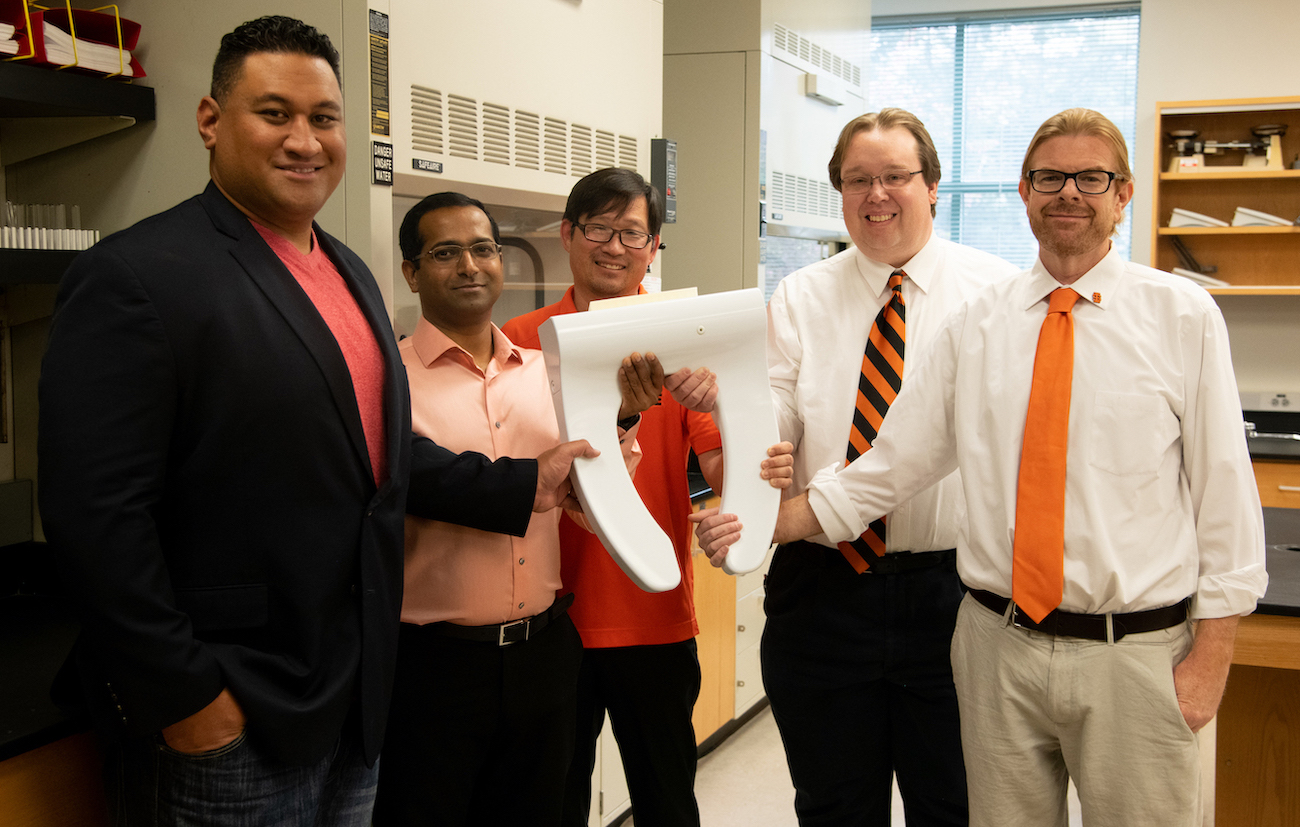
(408, 235)
(612, 189)
(276, 34)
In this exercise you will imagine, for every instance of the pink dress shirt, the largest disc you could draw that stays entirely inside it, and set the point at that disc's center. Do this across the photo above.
(463, 575)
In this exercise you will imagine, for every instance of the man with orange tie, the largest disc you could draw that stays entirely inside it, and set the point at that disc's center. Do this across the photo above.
(1113, 536)
(855, 650)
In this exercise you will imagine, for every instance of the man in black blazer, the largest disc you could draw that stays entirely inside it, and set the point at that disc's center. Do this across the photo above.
(225, 461)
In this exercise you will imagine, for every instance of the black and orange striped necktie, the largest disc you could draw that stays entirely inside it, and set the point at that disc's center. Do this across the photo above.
(882, 375)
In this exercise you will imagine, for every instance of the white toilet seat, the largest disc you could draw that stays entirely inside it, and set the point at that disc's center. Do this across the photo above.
(725, 332)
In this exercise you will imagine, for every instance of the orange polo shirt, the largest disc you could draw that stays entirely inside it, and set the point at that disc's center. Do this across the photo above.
(609, 609)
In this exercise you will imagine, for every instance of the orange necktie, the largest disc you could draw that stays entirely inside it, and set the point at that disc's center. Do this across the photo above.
(1037, 576)
(878, 384)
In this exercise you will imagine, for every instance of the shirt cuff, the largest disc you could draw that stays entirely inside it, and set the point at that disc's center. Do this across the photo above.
(1229, 594)
(829, 501)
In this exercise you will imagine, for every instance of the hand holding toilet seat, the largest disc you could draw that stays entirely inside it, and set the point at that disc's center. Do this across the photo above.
(724, 331)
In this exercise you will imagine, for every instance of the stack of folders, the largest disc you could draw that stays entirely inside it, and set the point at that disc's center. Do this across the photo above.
(1246, 217)
(44, 227)
(8, 41)
(1187, 218)
(65, 38)
(1200, 278)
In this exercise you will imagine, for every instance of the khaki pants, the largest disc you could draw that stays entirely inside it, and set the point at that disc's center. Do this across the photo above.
(1038, 710)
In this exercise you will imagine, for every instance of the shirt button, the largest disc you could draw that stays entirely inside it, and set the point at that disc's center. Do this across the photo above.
(521, 605)
(521, 561)
(498, 424)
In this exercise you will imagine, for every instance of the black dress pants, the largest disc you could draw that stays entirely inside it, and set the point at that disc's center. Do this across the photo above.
(857, 669)
(479, 734)
(649, 692)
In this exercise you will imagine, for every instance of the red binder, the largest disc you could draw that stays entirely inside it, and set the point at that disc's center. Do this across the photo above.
(91, 27)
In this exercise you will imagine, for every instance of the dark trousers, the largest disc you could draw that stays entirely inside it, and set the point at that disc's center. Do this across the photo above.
(857, 669)
(649, 692)
(479, 734)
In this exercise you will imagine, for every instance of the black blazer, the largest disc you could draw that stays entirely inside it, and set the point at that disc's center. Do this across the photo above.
(205, 486)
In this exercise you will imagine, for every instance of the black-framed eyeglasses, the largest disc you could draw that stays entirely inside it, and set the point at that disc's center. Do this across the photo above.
(600, 234)
(446, 254)
(890, 179)
(1088, 182)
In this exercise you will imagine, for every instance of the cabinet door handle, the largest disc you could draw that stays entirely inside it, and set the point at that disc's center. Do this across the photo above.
(740, 683)
(1290, 488)
(740, 628)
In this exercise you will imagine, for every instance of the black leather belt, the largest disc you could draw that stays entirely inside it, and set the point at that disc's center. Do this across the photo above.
(1088, 627)
(896, 562)
(504, 634)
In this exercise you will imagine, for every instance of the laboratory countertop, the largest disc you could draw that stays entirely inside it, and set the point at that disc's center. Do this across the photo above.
(37, 632)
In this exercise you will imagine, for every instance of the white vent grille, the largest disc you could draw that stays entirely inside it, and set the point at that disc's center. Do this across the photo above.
(555, 157)
(426, 120)
(605, 155)
(796, 194)
(496, 134)
(528, 140)
(798, 46)
(456, 125)
(462, 127)
(626, 152)
(580, 150)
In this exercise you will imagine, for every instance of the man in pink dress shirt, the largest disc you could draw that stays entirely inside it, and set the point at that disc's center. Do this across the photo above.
(483, 707)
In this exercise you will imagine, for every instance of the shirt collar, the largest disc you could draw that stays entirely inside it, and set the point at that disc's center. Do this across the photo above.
(1098, 286)
(431, 344)
(920, 268)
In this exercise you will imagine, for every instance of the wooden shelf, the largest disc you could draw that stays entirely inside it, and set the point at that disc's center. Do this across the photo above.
(1292, 230)
(1261, 290)
(1255, 261)
(1230, 173)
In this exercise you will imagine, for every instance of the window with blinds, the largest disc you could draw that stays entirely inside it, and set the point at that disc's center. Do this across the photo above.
(983, 83)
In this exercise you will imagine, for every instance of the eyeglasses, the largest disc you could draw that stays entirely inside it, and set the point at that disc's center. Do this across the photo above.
(447, 254)
(890, 179)
(599, 233)
(1088, 182)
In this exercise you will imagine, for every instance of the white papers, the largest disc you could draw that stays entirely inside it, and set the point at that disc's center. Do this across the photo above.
(1200, 278)
(1246, 217)
(97, 56)
(1187, 218)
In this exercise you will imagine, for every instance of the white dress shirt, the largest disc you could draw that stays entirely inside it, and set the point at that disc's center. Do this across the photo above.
(818, 322)
(1160, 501)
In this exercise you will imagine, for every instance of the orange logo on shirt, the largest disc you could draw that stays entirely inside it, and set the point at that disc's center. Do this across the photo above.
(1096, 298)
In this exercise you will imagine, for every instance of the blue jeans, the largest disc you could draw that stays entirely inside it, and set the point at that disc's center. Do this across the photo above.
(148, 783)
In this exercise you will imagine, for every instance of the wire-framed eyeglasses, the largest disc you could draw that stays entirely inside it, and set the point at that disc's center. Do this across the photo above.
(1088, 181)
(447, 254)
(600, 234)
(890, 179)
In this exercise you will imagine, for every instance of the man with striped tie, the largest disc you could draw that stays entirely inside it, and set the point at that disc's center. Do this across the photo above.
(1091, 406)
(855, 651)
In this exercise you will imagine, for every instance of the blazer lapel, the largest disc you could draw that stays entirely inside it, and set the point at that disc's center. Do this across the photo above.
(275, 282)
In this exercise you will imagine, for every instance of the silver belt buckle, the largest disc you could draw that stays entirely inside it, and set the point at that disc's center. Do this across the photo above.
(1015, 618)
(501, 633)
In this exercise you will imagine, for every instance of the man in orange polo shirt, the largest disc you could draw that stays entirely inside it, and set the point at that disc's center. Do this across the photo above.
(639, 658)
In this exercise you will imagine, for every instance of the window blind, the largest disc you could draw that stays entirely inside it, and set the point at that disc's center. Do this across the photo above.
(983, 83)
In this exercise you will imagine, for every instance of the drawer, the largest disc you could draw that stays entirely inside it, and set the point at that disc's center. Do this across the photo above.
(749, 679)
(1279, 483)
(749, 620)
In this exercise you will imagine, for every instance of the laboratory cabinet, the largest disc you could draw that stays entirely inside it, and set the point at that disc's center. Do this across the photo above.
(1225, 176)
(1279, 483)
